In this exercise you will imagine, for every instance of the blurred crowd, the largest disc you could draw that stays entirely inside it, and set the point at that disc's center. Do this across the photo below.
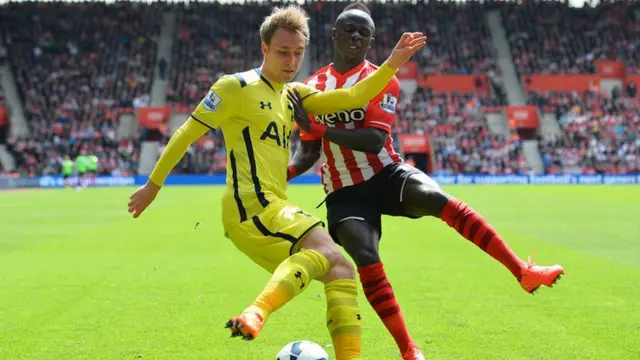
(459, 133)
(550, 37)
(600, 132)
(213, 39)
(459, 40)
(82, 65)
(77, 66)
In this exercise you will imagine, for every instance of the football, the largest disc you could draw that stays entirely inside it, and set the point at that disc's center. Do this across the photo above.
(302, 350)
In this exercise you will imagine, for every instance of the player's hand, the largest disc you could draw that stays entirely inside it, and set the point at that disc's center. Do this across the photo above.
(299, 114)
(408, 44)
(142, 198)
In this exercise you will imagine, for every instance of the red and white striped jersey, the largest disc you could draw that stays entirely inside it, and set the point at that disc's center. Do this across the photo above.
(342, 166)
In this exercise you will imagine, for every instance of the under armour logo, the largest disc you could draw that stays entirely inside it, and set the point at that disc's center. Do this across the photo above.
(298, 275)
(265, 105)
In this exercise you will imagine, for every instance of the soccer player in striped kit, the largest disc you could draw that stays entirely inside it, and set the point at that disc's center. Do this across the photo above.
(365, 178)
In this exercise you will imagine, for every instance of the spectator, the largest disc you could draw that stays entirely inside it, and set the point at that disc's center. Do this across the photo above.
(162, 67)
(632, 91)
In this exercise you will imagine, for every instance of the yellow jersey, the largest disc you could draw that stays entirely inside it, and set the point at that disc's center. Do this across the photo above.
(256, 121)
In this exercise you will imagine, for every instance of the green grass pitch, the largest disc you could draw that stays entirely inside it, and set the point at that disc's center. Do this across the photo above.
(80, 279)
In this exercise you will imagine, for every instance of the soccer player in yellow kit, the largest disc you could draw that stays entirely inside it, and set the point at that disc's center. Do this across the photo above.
(256, 119)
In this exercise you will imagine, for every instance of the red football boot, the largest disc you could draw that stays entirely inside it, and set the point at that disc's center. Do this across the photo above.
(534, 276)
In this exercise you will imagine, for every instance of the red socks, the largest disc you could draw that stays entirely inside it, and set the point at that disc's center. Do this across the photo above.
(382, 299)
(471, 226)
(475, 228)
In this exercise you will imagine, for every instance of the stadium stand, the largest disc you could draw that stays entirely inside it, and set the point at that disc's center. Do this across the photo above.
(551, 37)
(460, 47)
(82, 65)
(458, 36)
(601, 133)
(211, 42)
(79, 65)
(459, 134)
(459, 40)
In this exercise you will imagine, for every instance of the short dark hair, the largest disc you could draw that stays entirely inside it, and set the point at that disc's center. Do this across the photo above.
(358, 5)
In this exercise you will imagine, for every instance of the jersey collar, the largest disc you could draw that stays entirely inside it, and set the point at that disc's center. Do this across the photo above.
(274, 86)
(353, 71)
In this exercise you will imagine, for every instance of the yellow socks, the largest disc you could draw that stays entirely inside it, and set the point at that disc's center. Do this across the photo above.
(293, 275)
(343, 319)
(289, 279)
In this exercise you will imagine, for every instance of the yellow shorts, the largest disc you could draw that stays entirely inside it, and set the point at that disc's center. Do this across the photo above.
(274, 234)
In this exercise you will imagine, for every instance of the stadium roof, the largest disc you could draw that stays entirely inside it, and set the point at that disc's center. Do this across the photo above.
(573, 3)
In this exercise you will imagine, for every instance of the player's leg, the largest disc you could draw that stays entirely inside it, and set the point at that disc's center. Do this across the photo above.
(291, 275)
(84, 179)
(341, 289)
(79, 178)
(355, 223)
(314, 256)
(361, 239)
(421, 196)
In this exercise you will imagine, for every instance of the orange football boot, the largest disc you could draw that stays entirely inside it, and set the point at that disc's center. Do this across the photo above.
(248, 325)
(534, 276)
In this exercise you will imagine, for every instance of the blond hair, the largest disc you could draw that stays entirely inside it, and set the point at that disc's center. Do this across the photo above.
(292, 18)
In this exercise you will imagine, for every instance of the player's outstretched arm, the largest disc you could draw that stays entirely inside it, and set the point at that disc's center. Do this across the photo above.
(217, 107)
(319, 103)
(189, 132)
